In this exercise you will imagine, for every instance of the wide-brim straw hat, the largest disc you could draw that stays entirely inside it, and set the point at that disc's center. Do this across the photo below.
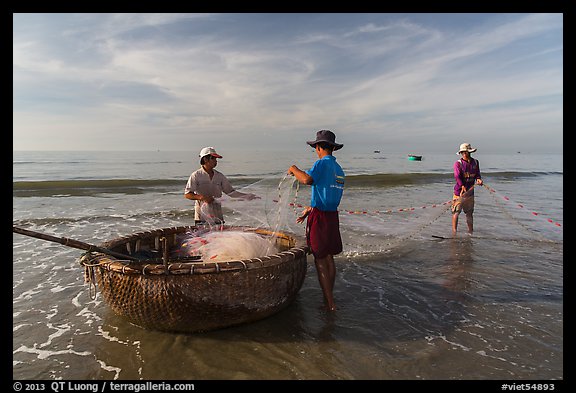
(466, 147)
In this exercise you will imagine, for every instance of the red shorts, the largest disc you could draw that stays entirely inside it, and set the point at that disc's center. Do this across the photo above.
(323, 233)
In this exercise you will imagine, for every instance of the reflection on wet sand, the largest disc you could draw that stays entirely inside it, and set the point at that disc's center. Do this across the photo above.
(456, 271)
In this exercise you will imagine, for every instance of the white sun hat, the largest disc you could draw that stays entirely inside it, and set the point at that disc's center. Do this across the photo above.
(466, 147)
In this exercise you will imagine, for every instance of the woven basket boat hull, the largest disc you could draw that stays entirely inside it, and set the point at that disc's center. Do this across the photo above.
(199, 296)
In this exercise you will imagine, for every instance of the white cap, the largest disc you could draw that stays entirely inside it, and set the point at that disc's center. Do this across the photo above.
(209, 151)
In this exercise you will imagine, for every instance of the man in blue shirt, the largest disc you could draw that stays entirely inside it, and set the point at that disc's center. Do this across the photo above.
(323, 227)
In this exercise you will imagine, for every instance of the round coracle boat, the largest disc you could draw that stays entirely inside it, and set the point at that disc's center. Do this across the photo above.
(190, 295)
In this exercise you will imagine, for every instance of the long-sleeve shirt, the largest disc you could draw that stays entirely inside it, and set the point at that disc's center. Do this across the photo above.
(466, 174)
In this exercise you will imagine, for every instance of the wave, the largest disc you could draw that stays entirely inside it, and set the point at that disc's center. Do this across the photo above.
(170, 214)
(383, 180)
(93, 187)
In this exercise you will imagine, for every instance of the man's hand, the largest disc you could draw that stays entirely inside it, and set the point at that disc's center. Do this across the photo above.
(206, 199)
(304, 214)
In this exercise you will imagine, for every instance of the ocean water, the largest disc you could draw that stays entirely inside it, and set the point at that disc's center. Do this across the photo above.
(414, 302)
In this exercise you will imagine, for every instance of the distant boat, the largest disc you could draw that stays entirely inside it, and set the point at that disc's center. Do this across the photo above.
(376, 151)
(413, 157)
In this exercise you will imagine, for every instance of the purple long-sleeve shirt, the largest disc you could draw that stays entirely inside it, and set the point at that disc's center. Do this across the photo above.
(466, 174)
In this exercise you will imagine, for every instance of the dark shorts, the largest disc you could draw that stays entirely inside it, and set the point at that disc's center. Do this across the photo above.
(323, 233)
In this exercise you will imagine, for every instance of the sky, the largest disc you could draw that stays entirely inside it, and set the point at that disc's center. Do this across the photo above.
(393, 82)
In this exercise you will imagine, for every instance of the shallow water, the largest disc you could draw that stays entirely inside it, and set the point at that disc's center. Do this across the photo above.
(413, 302)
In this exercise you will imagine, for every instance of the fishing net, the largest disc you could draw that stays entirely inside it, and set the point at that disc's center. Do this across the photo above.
(274, 208)
(377, 229)
(217, 246)
(369, 223)
(271, 210)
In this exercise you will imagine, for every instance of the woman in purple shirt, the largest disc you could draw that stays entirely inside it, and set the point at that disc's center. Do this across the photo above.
(467, 175)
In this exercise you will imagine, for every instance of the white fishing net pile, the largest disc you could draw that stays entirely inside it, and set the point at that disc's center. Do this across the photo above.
(218, 246)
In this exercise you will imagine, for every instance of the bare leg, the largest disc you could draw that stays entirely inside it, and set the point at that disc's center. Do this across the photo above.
(327, 277)
(454, 223)
(470, 222)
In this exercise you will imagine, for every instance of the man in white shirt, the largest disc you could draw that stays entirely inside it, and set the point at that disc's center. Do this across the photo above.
(205, 185)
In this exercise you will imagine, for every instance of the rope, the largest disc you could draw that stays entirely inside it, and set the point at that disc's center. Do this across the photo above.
(529, 230)
(374, 213)
(421, 227)
(445, 206)
(295, 205)
(89, 276)
(407, 209)
(521, 206)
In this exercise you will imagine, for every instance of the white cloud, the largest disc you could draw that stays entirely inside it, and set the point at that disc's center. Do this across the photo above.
(184, 75)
